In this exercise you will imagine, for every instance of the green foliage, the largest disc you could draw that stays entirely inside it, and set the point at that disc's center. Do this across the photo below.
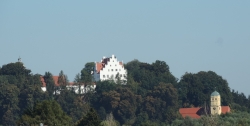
(46, 112)
(9, 103)
(8, 118)
(78, 82)
(195, 89)
(150, 97)
(15, 69)
(62, 80)
(86, 72)
(110, 121)
(50, 84)
(90, 119)
(149, 75)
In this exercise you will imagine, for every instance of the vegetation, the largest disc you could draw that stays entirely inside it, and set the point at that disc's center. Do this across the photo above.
(46, 112)
(151, 97)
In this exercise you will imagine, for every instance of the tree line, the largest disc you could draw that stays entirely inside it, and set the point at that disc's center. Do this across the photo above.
(152, 96)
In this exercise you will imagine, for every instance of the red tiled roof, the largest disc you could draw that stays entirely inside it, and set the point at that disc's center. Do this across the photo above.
(225, 109)
(197, 112)
(55, 78)
(191, 112)
(101, 65)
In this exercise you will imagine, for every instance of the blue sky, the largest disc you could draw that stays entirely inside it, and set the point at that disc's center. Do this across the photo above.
(190, 36)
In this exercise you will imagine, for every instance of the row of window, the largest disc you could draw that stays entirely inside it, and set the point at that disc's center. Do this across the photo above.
(115, 69)
(114, 76)
(110, 65)
(214, 99)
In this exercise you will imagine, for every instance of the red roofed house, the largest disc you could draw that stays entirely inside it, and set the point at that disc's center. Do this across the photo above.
(215, 108)
(109, 69)
(70, 85)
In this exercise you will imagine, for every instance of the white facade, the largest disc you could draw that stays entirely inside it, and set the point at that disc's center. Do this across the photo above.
(110, 69)
(75, 88)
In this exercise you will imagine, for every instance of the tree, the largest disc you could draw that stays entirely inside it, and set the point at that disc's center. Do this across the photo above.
(90, 119)
(8, 118)
(161, 103)
(9, 103)
(79, 83)
(62, 80)
(15, 69)
(50, 84)
(86, 75)
(46, 112)
(195, 89)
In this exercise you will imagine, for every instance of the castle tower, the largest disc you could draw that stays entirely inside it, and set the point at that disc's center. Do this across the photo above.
(215, 107)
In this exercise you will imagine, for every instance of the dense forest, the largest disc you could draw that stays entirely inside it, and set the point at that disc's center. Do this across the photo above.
(151, 97)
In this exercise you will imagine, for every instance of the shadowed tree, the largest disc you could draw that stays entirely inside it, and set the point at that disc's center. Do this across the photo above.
(195, 89)
(90, 119)
(50, 84)
(46, 112)
(62, 80)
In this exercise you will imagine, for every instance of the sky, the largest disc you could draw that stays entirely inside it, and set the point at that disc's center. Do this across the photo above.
(190, 36)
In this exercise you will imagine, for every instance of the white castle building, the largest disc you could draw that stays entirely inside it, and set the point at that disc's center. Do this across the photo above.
(110, 69)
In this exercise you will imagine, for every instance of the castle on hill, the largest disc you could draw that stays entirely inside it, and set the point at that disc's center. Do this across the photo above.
(108, 69)
(215, 108)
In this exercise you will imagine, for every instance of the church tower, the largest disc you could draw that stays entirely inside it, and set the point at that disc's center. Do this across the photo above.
(215, 107)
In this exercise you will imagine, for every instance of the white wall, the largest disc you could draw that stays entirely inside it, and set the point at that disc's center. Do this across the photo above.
(111, 69)
(76, 88)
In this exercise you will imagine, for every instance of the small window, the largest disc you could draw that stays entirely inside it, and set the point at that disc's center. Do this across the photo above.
(103, 76)
(108, 76)
(115, 69)
(108, 69)
(215, 98)
(113, 60)
(109, 65)
(111, 69)
(120, 75)
(119, 69)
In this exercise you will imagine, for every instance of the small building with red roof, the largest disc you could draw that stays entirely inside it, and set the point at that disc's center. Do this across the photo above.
(215, 108)
(70, 85)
